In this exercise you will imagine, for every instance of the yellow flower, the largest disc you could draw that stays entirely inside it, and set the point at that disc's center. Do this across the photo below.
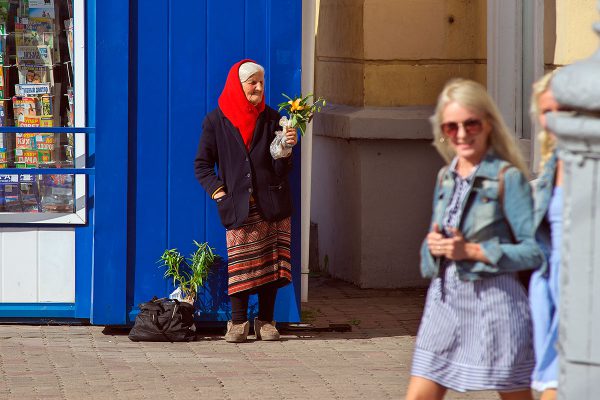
(295, 105)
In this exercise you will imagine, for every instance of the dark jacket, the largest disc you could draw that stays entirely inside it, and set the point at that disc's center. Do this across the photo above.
(242, 173)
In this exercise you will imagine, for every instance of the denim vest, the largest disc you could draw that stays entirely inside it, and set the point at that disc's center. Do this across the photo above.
(543, 187)
(504, 232)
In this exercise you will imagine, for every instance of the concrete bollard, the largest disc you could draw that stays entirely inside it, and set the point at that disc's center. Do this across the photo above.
(577, 87)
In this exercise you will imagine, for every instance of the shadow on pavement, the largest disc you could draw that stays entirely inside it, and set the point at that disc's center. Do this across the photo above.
(338, 309)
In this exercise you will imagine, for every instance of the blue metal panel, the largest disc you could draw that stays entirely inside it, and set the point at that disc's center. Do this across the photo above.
(84, 235)
(111, 184)
(147, 208)
(39, 310)
(202, 39)
(285, 59)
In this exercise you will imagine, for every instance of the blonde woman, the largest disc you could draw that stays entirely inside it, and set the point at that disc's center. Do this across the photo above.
(543, 287)
(475, 333)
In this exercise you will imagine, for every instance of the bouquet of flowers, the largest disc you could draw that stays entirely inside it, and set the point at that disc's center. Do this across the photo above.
(300, 112)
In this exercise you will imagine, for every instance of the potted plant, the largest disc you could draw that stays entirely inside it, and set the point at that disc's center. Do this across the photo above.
(189, 273)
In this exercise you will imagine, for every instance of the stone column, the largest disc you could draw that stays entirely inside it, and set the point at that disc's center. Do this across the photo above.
(577, 87)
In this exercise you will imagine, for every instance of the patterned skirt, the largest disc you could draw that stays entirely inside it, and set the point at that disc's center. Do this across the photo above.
(475, 335)
(258, 253)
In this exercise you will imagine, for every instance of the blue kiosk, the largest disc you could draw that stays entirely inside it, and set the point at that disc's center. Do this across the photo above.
(145, 73)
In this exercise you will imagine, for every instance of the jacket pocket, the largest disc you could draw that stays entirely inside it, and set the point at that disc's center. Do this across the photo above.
(226, 208)
(279, 196)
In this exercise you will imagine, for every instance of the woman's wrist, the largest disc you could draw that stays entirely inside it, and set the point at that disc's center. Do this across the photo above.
(475, 252)
(219, 194)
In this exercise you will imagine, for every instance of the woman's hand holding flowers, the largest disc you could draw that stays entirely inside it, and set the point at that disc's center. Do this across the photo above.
(291, 136)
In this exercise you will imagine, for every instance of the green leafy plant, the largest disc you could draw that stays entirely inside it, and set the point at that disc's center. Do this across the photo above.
(301, 110)
(189, 273)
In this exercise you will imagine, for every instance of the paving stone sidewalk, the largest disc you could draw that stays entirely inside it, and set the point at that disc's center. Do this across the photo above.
(370, 362)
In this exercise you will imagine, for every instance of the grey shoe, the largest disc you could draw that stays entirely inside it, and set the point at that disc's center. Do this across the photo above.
(265, 330)
(237, 333)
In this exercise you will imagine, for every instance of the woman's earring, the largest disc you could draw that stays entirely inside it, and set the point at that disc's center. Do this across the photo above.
(442, 140)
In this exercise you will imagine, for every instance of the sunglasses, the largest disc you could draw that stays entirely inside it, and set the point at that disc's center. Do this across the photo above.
(471, 126)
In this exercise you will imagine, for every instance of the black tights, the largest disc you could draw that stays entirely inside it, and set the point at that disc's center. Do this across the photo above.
(266, 304)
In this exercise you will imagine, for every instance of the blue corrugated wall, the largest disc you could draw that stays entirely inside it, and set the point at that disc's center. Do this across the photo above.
(180, 53)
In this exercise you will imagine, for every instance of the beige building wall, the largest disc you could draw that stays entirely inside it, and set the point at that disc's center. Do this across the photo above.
(568, 35)
(381, 65)
(397, 53)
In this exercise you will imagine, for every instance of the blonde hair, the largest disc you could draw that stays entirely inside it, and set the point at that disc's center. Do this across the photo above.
(473, 96)
(547, 141)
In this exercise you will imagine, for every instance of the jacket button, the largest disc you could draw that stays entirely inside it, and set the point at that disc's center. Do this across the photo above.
(279, 187)
(246, 159)
(248, 175)
(249, 190)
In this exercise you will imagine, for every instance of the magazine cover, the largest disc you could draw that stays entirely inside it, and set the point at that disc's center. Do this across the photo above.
(33, 35)
(24, 140)
(34, 55)
(41, 9)
(31, 158)
(56, 193)
(29, 193)
(9, 193)
(47, 108)
(23, 10)
(4, 10)
(70, 107)
(3, 158)
(32, 89)
(33, 74)
(1, 79)
(2, 113)
(24, 107)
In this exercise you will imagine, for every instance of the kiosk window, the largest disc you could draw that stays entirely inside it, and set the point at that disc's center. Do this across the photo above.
(37, 89)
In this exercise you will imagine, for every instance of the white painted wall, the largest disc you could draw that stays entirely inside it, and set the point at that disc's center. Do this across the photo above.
(37, 265)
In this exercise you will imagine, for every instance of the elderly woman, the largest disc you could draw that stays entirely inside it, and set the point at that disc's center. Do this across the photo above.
(543, 287)
(475, 333)
(252, 194)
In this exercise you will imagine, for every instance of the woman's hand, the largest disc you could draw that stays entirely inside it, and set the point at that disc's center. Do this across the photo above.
(291, 136)
(455, 247)
(434, 241)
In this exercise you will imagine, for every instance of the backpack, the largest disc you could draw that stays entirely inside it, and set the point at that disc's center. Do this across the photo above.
(164, 320)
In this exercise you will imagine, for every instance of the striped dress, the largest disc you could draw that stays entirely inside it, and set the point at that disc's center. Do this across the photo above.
(474, 335)
(258, 253)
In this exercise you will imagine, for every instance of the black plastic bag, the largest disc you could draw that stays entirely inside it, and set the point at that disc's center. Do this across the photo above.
(164, 320)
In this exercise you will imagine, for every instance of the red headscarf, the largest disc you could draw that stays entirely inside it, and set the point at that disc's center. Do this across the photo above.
(236, 107)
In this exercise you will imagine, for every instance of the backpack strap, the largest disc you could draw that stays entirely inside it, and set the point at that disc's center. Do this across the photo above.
(501, 195)
(442, 174)
(501, 184)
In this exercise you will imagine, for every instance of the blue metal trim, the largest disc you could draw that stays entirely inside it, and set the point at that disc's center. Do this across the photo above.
(84, 234)
(15, 129)
(47, 171)
(40, 310)
(111, 117)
